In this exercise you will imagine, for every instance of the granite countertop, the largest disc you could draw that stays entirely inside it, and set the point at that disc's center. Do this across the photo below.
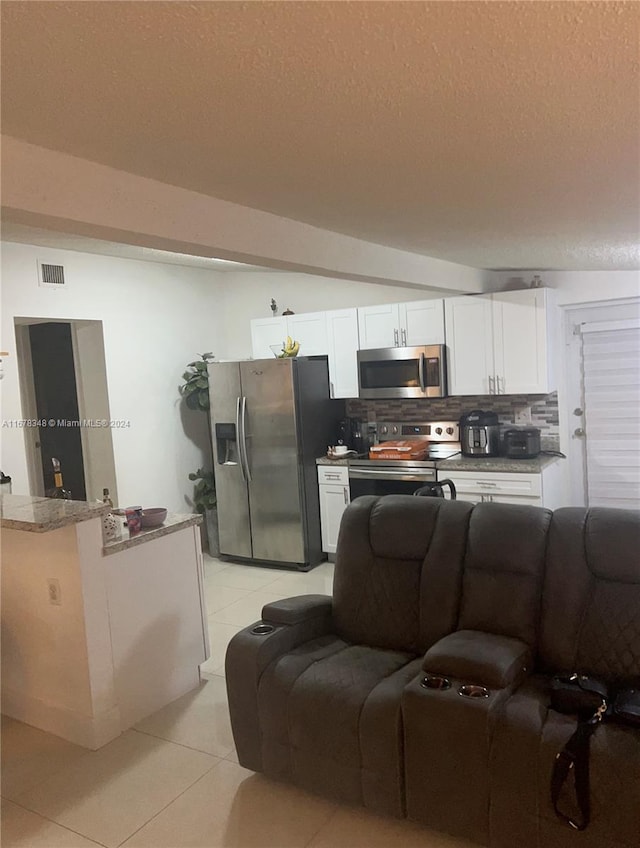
(497, 464)
(172, 523)
(39, 515)
(469, 463)
(324, 460)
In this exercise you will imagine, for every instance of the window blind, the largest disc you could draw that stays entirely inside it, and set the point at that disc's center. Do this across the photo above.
(611, 371)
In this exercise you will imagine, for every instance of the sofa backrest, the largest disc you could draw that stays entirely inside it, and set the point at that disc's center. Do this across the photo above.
(591, 598)
(398, 571)
(503, 570)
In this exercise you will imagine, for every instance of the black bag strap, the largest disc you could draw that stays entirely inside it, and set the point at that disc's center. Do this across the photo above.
(574, 758)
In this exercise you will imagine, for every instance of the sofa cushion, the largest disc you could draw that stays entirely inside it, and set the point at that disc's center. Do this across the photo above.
(503, 570)
(591, 601)
(330, 720)
(382, 595)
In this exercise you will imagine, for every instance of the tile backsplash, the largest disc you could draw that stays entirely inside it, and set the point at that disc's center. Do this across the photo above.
(544, 410)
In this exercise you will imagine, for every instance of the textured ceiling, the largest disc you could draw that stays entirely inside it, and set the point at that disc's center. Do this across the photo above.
(494, 134)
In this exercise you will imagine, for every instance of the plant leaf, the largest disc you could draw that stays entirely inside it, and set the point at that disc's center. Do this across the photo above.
(192, 401)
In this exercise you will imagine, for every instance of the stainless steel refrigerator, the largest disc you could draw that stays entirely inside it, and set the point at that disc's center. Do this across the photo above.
(270, 419)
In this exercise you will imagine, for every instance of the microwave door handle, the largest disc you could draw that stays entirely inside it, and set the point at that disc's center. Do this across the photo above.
(421, 372)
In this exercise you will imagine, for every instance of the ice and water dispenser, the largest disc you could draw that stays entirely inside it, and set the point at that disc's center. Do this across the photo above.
(227, 444)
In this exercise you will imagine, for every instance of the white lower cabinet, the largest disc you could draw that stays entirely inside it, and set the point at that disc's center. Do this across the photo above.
(333, 484)
(538, 489)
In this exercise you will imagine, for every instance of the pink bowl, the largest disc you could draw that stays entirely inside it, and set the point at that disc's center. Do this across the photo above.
(153, 517)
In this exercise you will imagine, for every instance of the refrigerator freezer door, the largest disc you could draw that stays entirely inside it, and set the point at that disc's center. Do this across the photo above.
(231, 488)
(275, 498)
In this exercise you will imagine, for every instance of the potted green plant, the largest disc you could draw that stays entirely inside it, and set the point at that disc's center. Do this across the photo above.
(204, 500)
(195, 391)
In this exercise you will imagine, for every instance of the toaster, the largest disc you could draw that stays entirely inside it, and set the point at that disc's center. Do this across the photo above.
(522, 442)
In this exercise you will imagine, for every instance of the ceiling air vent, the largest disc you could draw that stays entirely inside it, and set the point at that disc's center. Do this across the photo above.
(50, 275)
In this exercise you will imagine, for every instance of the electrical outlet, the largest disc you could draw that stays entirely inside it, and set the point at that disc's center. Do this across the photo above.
(523, 415)
(53, 587)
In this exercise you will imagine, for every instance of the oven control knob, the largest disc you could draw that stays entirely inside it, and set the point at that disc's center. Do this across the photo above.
(394, 430)
(384, 429)
(450, 431)
(439, 430)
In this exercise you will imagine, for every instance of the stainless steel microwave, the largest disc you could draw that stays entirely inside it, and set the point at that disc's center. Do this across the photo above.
(403, 372)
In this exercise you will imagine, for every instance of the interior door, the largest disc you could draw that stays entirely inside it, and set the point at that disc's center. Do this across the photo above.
(275, 500)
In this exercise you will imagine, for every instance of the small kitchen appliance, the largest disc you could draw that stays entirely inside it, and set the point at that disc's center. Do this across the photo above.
(480, 434)
(402, 372)
(522, 442)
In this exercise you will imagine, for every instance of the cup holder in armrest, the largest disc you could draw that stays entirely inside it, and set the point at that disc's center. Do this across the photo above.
(262, 629)
(432, 681)
(471, 690)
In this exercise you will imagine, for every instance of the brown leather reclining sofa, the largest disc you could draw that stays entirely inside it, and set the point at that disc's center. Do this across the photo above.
(328, 693)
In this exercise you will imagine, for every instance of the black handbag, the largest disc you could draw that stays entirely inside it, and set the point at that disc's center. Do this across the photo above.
(577, 694)
(626, 706)
(586, 697)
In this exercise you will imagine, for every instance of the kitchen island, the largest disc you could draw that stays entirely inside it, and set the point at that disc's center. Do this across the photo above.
(96, 635)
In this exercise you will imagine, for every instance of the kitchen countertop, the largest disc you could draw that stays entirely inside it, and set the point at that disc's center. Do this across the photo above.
(499, 464)
(39, 515)
(172, 523)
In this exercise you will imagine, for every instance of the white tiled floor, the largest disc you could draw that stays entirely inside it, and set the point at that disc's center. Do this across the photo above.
(174, 781)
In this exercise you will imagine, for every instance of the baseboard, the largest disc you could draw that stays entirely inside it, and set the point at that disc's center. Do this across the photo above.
(88, 731)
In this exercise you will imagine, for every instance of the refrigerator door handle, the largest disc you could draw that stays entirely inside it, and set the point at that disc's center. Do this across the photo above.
(243, 439)
(239, 438)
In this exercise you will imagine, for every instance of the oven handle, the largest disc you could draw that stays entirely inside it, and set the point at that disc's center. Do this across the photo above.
(421, 372)
(416, 477)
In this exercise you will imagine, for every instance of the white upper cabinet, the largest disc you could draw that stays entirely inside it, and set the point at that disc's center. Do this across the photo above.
(266, 332)
(469, 345)
(420, 322)
(521, 342)
(310, 329)
(342, 338)
(379, 326)
(500, 343)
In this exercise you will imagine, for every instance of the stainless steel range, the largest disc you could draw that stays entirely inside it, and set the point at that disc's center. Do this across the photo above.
(404, 476)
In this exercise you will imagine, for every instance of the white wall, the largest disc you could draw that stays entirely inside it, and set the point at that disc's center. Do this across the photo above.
(156, 318)
(248, 295)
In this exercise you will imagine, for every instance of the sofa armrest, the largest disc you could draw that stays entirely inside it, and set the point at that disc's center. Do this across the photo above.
(298, 609)
(475, 657)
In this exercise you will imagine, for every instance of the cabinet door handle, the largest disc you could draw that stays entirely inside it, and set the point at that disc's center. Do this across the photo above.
(492, 389)
(346, 496)
(501, 391)
(331, 389)
(404, 337)
(395, 338)
(484, 485)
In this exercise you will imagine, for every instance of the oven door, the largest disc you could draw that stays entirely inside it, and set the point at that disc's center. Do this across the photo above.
(387, 481)
(402, 372)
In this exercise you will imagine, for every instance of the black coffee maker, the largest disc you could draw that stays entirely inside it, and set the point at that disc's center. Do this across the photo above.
(344, 433)
(352, 433)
